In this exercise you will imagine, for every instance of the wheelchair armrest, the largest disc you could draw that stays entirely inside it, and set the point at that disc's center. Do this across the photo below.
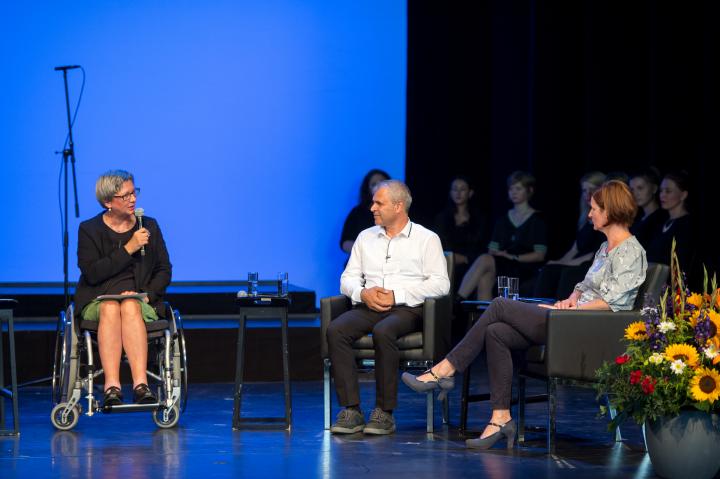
(578, 342)
(330, 308)
(437, 325)
(170, 317)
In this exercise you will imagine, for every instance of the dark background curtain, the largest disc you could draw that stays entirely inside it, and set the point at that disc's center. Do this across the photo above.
(559, 89)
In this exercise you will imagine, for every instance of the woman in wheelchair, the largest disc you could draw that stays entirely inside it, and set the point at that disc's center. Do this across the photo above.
(121, 253)
(611, 283)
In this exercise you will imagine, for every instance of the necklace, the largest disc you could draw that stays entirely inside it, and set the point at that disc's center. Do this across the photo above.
(668, 224)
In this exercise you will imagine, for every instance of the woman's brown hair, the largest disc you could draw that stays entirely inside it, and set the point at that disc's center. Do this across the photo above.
(615, 198)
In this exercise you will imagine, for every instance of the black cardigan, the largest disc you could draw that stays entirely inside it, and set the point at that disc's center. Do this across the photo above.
(100, 259)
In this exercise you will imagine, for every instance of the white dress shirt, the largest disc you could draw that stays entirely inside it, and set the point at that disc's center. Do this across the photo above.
(411, 264)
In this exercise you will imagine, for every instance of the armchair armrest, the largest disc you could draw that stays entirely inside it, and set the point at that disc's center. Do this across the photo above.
(437, 324)
(578, 342)
(330, 308)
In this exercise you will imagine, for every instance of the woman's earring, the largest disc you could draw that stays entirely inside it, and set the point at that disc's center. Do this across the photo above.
(110, 209)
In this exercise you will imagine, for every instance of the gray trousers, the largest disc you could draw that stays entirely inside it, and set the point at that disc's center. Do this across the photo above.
(505, 326)
(386, 328)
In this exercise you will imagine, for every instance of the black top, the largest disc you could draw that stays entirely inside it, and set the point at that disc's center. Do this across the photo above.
(588, 240)
(645, 229)
(468, 239)
(522, 239)
(103, 261)
(658, 251)
(360, 218)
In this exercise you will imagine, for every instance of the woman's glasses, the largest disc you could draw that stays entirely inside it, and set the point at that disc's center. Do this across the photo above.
(126, 197)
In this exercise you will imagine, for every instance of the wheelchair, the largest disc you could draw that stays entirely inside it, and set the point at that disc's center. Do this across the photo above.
(75, 371)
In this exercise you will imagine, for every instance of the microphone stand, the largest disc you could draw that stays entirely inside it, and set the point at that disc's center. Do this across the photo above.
(68, 154)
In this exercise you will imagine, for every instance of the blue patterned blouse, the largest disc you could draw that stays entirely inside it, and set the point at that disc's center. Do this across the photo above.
(615, 277)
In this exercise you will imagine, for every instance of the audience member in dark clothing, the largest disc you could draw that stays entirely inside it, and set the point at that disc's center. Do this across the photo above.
(558, 277)
(674, 191)
(360, 217)
(650, 218)
(517, 247)
(461, 227)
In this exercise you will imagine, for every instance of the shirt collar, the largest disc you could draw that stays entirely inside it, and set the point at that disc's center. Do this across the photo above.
(404, 232)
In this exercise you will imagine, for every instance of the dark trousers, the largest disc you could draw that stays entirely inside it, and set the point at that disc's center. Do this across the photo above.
(386, 328)
(505, 326)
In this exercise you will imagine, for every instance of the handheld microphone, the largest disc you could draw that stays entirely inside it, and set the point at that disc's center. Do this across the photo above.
(139, 213)
(66, 67)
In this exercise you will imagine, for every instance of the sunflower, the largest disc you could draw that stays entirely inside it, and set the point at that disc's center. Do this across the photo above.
(695, 299)
(683, 352)
(636, 331)
(714, 318)
(705, 385)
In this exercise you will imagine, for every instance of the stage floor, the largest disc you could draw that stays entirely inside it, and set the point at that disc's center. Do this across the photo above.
(203, 444)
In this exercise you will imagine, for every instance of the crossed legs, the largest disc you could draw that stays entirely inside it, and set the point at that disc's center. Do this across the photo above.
(122, 326)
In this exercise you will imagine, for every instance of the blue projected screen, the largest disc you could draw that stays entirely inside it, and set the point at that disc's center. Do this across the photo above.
(248, 125)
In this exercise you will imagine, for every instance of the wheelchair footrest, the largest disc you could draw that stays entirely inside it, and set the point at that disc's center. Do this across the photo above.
(131, 408)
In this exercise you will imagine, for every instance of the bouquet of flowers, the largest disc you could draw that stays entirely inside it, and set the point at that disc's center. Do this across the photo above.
(672, 361)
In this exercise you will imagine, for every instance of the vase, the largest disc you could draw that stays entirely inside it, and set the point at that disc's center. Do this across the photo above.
(687, 445)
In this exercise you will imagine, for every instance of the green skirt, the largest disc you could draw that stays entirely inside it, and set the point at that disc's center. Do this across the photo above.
(91, 312)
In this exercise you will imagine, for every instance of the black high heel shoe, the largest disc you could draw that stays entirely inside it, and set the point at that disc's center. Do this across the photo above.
(445, 385)
(507, 430)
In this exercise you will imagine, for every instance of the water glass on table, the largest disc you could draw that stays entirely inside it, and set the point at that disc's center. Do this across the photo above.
(502, 283)
(252, 284)
(513, 288)
(282, 284)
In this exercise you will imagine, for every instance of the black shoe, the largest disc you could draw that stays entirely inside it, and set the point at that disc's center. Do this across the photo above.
(380, 422)
(143, 395)
(349, 421)
(113, 397)
(506, 430)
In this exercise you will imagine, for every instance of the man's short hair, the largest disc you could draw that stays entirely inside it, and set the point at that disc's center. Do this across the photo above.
(399, 192)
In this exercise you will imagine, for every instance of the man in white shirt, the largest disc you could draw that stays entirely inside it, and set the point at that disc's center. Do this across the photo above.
(393, 267)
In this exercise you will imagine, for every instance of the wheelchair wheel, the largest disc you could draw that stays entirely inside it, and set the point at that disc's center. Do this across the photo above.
(172, 418)
(61, 365)
(67, 423)
(184, 370)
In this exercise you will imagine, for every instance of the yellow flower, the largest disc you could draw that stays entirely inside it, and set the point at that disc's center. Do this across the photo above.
(636, 331)
(714, 318)
(695, 299)
(705, 385)
(683, 352)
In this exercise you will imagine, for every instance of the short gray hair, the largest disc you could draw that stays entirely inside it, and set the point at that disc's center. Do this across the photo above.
(109, 184)
(399, 192)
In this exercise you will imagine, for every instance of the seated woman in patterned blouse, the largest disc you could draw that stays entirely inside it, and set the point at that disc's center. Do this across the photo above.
(611, 283)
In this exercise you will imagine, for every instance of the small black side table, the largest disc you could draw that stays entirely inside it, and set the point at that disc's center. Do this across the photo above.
(261, 307)
(6, 314)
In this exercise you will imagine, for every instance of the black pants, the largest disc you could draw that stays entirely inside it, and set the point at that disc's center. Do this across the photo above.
(385, 328)
(505, 326)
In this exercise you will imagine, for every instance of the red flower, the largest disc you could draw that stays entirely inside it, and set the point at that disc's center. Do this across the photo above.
(635, 376)
(622, 359)
(648, 385)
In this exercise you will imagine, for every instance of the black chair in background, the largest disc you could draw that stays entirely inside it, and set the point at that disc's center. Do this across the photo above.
(6, 314)
(418, 350)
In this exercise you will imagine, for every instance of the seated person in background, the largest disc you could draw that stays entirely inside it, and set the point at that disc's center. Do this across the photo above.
(393, 267)
(111, 261)
(650, 218)
(461, 227)
(517, 247)
(674, 191)
(558, 277)
(611, 283)
(360, 217)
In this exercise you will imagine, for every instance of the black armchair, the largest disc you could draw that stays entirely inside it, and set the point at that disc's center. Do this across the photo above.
(418, 350)
(578, 342)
